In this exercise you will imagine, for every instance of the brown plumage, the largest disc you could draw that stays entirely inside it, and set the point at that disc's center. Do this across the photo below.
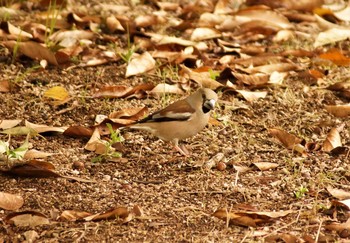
(181, 119)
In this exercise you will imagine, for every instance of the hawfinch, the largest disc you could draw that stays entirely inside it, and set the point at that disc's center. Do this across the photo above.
(181, 119)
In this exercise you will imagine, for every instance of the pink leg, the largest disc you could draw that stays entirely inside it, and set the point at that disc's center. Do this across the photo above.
(182, 150)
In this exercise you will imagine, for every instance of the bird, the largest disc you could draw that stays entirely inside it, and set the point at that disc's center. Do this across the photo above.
(181, 119)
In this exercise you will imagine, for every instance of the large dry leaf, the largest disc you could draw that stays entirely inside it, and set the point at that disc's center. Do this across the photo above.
(265, 165)
(340, 228)
(252, 96)
(10, 201)
(270, 68)
(27, 218)
(15, 32)
(338, 193)
(119, 212)
(96, 144)
(115, 213)
(121, 91)
(339, 110)
(202, 78)
(73, 215)
(304, 5)
(164, 40)
(78, 131)
(113, 24)
(43, 128)
(70, 38)
(57, 93)
(288, 140)
(36, 154)
(204, 34)
(6, 124)
(247, 218)
(341, 88)
(335, 56)
(33, 168)
(343, 14)
(129, 114)
(164, 88)
(254, 80)
(38, 169)
(210, 19)
(270, 17)
(333, 139)
(331, 36)
(33, 50)
(20, 130)
(140, 64)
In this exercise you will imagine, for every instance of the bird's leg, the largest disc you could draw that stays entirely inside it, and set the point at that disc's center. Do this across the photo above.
(182, 150)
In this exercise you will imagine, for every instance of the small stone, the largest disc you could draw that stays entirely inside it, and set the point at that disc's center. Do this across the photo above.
(78, 165)
(106, 178)
(31, 235)
(221, 166)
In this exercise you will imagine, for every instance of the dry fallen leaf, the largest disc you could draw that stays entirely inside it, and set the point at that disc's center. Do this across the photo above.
(338, 193)
(204, 34)
(118, 212)
(265, 165)
(36, 154)
(122, 91)
(96, 144)
(342, 229)
(6, 124)
(59, 94)
(33, 50)
(164, 88)
(140, 64)
(33, 168)
(341, 88)
(288, 140)
(333, 139)
(43, 128)
(73, 215)
(10, 201)
(248, 218)
(332, 35)
(336, 56)
(339, 110)
(26, 218)
(252, 96)
(78, 131)
(202, 78)
(129, 114)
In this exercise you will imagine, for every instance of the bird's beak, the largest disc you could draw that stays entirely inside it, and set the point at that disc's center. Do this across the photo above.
(209, 104)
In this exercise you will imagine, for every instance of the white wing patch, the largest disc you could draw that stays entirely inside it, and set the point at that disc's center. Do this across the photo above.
(174, 115)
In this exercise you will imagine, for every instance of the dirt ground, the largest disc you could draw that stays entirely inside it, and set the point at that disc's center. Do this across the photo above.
(176, 194)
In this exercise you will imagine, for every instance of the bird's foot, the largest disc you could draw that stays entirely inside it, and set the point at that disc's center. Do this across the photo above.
(182, 150)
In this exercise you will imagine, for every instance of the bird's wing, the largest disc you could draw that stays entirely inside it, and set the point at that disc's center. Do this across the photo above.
(178, 111)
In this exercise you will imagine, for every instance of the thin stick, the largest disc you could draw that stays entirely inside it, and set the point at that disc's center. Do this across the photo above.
(318, 231)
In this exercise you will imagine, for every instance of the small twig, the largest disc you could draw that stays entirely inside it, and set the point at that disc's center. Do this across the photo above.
(318, 231)
(148, 182)
(209, 192)
(236, 179)
(139, 159)
(245, 237)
